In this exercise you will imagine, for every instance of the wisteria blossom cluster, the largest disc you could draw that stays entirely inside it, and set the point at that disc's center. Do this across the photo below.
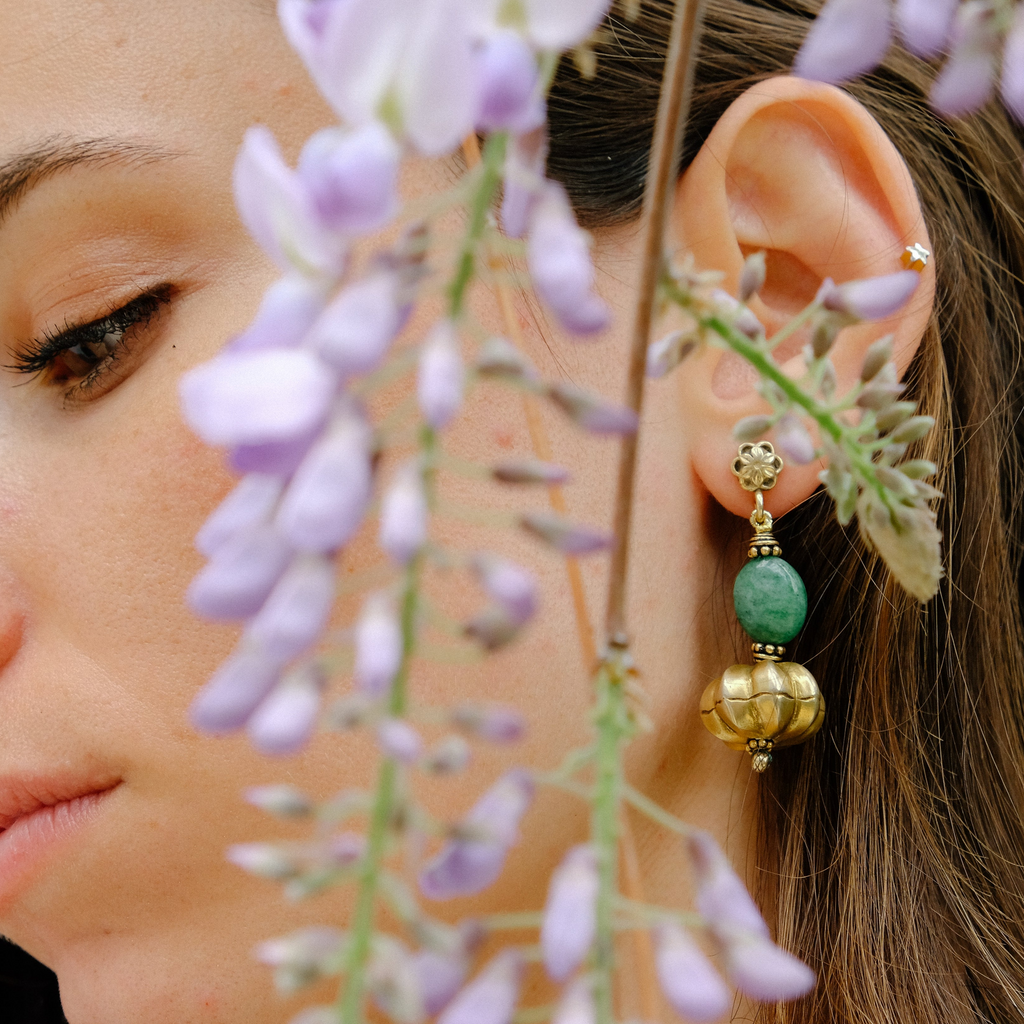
(984, 41)
(289, 399)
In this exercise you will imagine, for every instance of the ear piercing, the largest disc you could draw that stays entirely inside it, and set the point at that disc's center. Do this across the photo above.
(915, 257)
(772, 703)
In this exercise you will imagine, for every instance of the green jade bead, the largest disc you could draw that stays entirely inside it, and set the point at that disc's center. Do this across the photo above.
(770, 600)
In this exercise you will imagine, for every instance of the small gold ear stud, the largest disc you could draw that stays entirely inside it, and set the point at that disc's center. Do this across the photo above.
(915, 257)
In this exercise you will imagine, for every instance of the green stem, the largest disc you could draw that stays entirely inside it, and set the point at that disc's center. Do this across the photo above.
(490, 178)
(655, 812)
(351, 997)
(513, 921)
(612, 723)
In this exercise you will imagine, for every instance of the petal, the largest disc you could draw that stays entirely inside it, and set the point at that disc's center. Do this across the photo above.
(689, 981)
(378, 643)
(762, 971)
(234, 692)
(352, 177)
(847, 39)
(240, 575)
(925, 25)
(441, 376)
(491, 997)
(256, 397)
(508, 80)
(570, 921)
(249, 504)
(327, 499)
(404, 514)
(286, 719)
(437, 83)
(289, 309)
(562, 24)
(1013, 67)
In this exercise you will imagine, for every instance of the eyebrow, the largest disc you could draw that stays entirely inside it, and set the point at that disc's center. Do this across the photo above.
(23, 171)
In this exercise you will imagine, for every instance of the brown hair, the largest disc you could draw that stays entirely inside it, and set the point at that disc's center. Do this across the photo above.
(896, 837)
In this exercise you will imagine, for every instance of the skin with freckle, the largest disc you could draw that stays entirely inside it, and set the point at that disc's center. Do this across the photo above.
(100, 496)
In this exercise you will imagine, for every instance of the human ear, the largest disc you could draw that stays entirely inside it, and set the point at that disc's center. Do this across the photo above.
(803, 172)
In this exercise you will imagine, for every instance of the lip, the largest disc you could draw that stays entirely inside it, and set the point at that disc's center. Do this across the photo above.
(37, 816)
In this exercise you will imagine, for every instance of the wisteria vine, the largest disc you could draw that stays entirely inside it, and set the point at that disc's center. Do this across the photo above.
(289, 399)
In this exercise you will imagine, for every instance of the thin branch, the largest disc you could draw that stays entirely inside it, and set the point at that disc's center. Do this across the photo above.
(673, 111)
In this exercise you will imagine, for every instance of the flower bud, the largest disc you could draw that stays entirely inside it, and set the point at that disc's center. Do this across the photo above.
(687, 978)
(451, 755)
(263, 859)
(762, 971)
(289, 309)
(722, 898)
(577, 1004)
(440, 977)
(511, 586)
(248, 505)
(918, 469)
(286, 719)
(925, 25)
(234, 692)
(356, 329)
(893, 480)
(877, 356)
(570, 913)
(468, 865)
(667, 353)
(1012, 87)
(530, 471)
(329, 494)
(558, 256)
(296, 611)
(352, 177)
(491, 997)
(441, 376)
(912, 430)
(281, 800)
(378, 643)
(563, 535)
(591, 412)
(399, 740)
(495, 724)
(883, 390)
(492, 628)
(255, 397)
(755, 273)
(967, 79)
(404, 514)
(524, 179)
(874, 298)
(500, 358)
(894, 415)
(823, 335)
(739, 316)
(509, 79)
(793, 442)
(393, 981)
(847, 38)
(303, 957)
(350, 712)
(753, 428)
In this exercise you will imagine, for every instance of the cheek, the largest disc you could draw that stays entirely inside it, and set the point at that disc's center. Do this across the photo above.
(104, 544)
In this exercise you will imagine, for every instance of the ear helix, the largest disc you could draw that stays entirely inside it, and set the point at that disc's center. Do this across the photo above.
(772, 703)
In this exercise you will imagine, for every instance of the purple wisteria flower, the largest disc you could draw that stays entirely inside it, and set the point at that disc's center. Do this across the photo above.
(234, 692)
(443, 966)
(278, 210)
(398, 739)
(525, 162)
(848, 38)
(285, 720)
(509, 585)
(593, 413)
(762, 971)
(792, 440)
(442, 375)
(558, 256)
(509, 85)
(566, 537)
(404, 514)
(967, 80)
(576, 1005)
(289, 309)
(1012, 86)
(378, 642)
(570, 914)
(250, 504)
(925, 25)
(495, 724)
(490, 998)
(689, 981)
(295, 611)
(873, 298)
(469, 863)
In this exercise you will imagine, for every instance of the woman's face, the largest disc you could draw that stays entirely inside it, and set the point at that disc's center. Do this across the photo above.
(118, 132)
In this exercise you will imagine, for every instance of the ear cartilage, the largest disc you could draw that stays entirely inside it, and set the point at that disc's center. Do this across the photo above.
(915, 257)
(772, 703)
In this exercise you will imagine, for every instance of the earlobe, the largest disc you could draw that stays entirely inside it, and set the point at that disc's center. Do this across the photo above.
(803, 172)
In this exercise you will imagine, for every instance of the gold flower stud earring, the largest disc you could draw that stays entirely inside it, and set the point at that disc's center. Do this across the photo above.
(772, 703)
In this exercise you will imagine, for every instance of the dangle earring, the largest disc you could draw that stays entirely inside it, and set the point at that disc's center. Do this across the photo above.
(772, 703)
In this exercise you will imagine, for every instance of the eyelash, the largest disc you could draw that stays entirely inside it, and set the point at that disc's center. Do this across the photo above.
(40, 355)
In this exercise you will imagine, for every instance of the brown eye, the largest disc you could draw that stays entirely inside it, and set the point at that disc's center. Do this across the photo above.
(80, 360)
